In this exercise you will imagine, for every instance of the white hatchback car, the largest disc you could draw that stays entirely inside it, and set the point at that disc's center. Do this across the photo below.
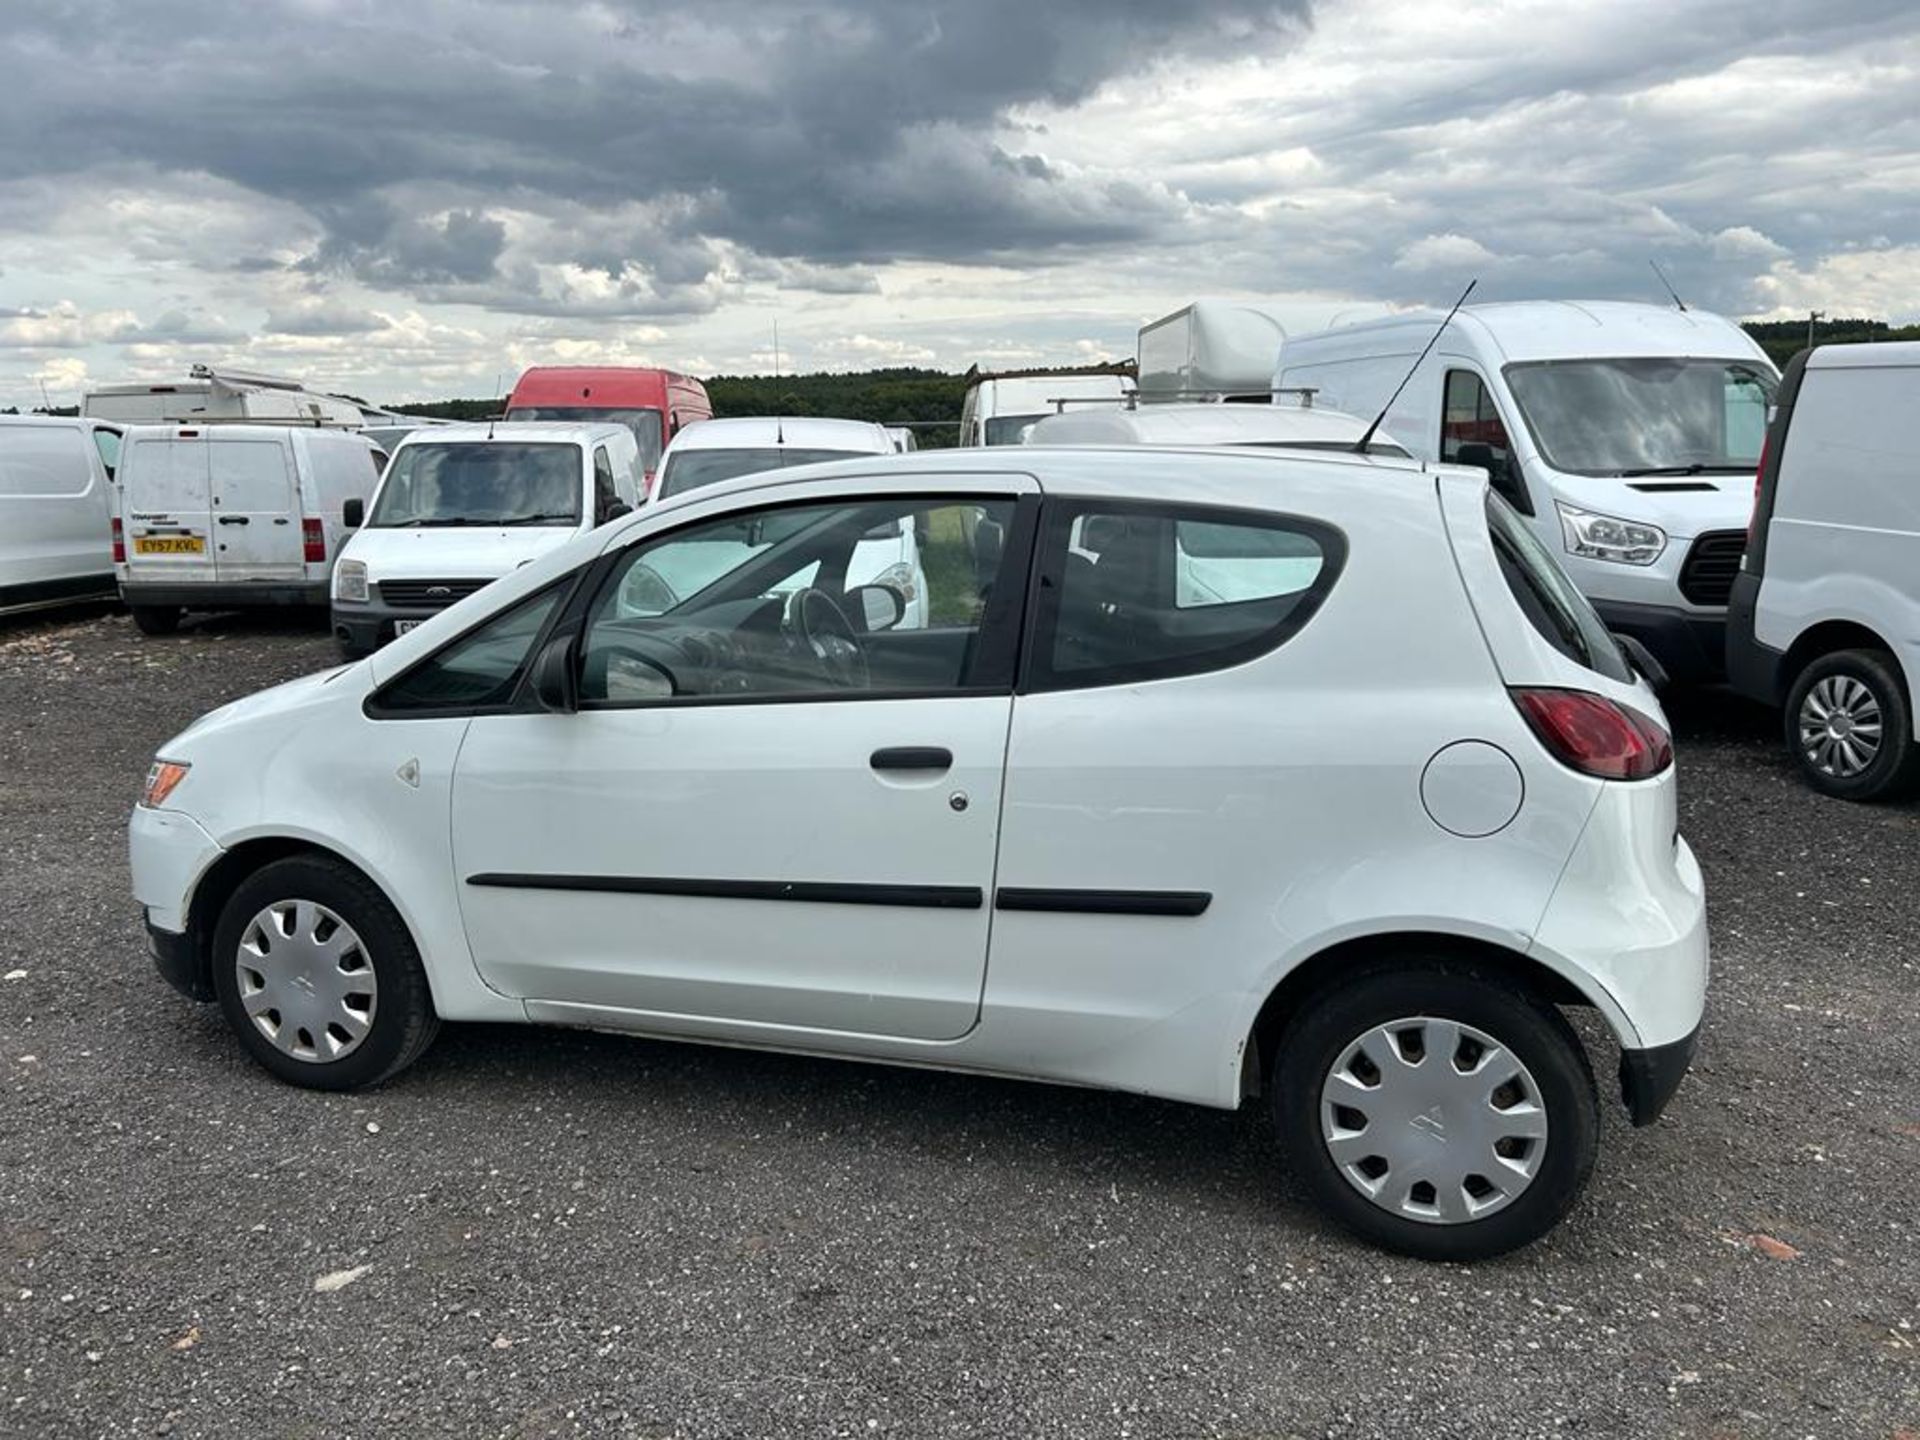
(1347, 836)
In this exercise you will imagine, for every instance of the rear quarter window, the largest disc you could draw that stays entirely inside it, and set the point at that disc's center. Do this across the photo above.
(1559, 612)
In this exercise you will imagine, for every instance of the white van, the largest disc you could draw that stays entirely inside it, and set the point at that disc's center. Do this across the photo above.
(221, 517)
(1627, 433)
(1000, 409)
(462, 505)
(55, 510)
(1825, 616)
(716, 450)
(1284, 426)
(227, 395)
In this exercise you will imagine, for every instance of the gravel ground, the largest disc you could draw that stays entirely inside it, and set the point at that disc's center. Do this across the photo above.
(550, 1233)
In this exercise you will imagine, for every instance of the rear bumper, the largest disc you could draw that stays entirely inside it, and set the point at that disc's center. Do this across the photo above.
(1649, 1077)
(213, 595)
(1690, 644)
(1757, 671)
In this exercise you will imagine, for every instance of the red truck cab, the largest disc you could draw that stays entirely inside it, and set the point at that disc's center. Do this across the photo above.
(654, 404)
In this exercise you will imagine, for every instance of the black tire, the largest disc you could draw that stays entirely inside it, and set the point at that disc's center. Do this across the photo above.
(156, 619)
(1327, 1023)
(1895, 770)
(404, 1021)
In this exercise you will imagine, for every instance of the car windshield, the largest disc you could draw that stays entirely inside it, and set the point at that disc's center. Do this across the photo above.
(690, 469)
(1662, 416)
(493, 482)
(1011, 429)
(644, 423)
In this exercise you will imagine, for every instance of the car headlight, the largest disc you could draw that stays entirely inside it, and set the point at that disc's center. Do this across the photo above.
(1606, 537)
(350, 580)
(898, 576)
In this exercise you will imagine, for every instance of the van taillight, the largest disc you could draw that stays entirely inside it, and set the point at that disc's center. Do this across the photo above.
(1753, 515)
(1595, 736)
(314, 539)
(119, 542)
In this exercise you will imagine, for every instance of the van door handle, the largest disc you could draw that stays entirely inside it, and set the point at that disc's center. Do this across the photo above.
(913, 757)
(234, 519)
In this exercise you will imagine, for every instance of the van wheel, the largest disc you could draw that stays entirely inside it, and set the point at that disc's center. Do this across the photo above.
(1435, 1112)
(1850, 728)
(318, 976)
(156, 619)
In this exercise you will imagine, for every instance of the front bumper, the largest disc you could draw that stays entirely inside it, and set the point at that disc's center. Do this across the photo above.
(1649, 1077)
(1690, 644)
(181, 961)
(363, 626)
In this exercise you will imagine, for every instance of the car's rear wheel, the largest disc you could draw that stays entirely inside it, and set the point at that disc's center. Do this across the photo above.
(318, 976)
(156, 619)
(1436, 1112)
(1850, 728)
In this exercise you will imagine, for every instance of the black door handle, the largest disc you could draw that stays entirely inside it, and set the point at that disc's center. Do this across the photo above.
(234, 519)
(913, 757)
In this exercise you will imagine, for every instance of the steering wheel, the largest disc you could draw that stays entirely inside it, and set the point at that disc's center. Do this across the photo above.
(817, 625)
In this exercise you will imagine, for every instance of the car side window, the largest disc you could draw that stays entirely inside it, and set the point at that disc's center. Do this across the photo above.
(862, 597)
(603, 491)
(1135, 592)
(479, 671)
(1472, 433)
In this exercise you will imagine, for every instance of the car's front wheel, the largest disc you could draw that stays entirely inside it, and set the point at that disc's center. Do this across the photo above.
(318, 976)
(1436, 1112)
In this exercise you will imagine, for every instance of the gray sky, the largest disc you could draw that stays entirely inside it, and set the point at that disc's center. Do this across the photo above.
(411, 200)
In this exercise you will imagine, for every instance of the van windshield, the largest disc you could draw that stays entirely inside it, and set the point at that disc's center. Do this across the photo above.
(690, 469)
(1661, 416)
(1011, 429)
(494, 482)
(644, 423)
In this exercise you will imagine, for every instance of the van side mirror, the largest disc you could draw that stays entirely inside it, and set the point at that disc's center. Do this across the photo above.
(353, 514)
(617, 510)
(553, 683)
(1503, 472)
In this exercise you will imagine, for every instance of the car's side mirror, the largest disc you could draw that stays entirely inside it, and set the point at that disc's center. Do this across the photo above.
(353, 514)
(881, 606)
(1641, 659)
(553, 680)
(1503, 472)
(617, 510)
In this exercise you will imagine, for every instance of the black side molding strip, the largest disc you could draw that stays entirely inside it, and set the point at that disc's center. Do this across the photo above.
(922, 897)
(1105, 902)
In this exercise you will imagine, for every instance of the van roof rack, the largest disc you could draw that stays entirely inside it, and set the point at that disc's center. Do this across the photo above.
(1126, 369)
(1226, 397)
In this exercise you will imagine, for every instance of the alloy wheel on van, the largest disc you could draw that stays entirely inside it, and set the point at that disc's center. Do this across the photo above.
(1841, 726)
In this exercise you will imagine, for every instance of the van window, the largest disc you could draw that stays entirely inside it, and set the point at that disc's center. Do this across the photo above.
(1142, 591)
(1548, 599)
(1011, 429)
(492, 482)
(644, 423)
(43, 460)
(107, 442)
(691, 469)
(1661, 416)
(603, 491)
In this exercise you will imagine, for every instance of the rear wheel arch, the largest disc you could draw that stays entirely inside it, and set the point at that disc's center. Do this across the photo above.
(1346, 959)
(1830, 637)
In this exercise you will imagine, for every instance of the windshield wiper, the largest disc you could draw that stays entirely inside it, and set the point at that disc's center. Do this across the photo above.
(1696, 468)
(535, 520)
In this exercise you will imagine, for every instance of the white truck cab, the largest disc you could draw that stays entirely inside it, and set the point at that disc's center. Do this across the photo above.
(461, 505)
(999, 409)
(1627, 434)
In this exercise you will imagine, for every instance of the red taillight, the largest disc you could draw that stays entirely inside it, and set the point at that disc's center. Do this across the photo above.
(1593, 735)
(119, 542)
(314, 539)
(1759, 474)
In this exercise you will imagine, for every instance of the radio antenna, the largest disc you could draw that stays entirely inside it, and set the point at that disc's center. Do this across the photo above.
(1678, 303)
(1360, 445)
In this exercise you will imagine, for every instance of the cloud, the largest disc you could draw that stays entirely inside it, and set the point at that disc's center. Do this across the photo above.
(1444, 252)
(326, 317)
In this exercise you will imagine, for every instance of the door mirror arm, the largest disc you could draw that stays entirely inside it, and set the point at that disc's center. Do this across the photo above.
(553, 680)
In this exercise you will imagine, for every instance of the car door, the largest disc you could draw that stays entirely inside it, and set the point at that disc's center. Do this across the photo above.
(757, 820)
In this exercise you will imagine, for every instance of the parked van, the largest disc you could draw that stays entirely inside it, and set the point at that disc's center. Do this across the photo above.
(1627, 434)
(222, 517)
(999, 409)
(210, 394)
(56, 503)
(461, 505)
(654, 404)
(1825, 617)
(723, 449)
(1264, 427)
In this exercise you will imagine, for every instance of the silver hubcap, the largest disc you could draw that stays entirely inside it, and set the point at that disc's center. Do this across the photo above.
(1433, 1120)
(306, 981)
(1840, 727)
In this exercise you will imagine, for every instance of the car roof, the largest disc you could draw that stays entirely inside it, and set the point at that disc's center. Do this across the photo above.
(479, 432)
(1199, 424)
(806, 432)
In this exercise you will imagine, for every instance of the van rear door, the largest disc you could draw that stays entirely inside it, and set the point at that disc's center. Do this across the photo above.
(256, 509)
(163, 485)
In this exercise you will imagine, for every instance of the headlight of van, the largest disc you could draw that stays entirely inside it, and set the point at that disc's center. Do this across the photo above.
(350, 580)
(1606, 537)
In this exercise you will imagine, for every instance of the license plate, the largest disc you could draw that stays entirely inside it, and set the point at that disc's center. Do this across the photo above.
(400, 627)
(169, 545)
